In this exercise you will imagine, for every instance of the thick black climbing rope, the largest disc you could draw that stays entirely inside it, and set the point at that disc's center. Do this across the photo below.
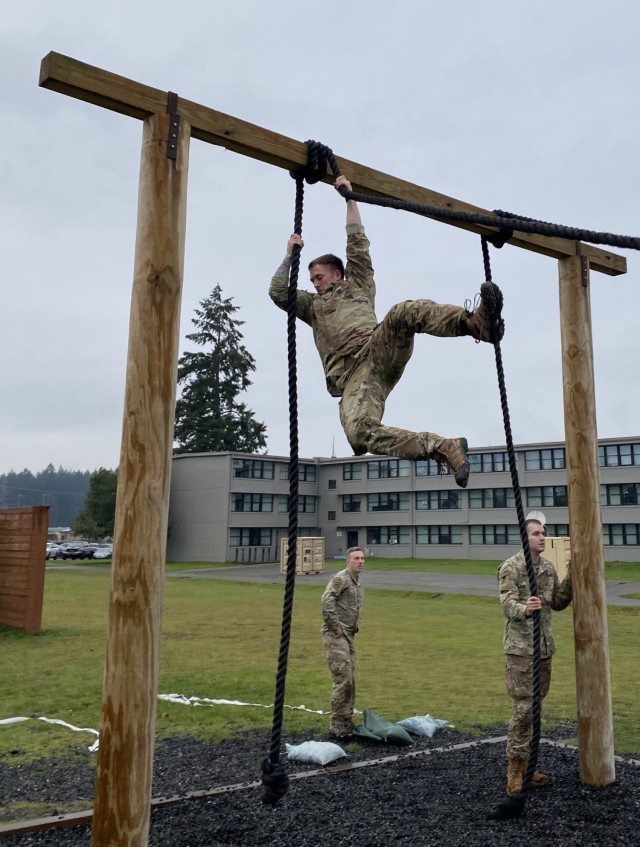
(274, 775)
(514, 806)
(506, 222)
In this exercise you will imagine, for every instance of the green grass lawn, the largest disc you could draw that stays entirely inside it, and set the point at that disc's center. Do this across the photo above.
(417, 654)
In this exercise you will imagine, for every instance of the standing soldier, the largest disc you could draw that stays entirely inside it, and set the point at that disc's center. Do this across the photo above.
(518, 608)
(363, 359)
(341, 603)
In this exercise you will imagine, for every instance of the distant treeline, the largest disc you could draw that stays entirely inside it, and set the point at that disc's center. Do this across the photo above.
(63, 491)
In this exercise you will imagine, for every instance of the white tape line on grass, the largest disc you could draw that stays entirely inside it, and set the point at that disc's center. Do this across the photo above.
(169, 698)
(207, 701)
(94, 746)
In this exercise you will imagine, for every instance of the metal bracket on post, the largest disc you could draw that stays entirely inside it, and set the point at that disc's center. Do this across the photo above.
(174, 125)
(584, 266)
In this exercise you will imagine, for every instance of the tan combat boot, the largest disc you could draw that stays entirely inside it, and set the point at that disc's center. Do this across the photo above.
(539, 780)
(453, 452)
(485, 323)
(515, 774)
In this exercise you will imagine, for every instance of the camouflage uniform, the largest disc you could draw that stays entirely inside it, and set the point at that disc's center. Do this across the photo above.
(363, 359)
(341, 603)
(518, 641)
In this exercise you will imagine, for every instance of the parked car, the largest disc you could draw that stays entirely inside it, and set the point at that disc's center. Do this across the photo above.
(75, 550)
(104, 551)
(53, 550)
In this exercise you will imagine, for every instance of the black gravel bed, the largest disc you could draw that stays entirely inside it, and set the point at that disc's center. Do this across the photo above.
(446, 797)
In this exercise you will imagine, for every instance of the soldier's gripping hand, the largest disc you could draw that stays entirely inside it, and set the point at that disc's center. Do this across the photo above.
(342, 181)
(294, 240)
(534, 604)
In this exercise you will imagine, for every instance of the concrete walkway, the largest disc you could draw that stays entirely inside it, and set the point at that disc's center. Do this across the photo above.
(437, 583)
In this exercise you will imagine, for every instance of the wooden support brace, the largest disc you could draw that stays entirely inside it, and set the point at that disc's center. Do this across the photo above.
(593, 687)
(127, 727)
(85, 82)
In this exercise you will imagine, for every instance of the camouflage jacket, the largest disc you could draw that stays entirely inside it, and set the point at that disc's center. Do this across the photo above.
(341, 603)
(514, 592)
(343, 318)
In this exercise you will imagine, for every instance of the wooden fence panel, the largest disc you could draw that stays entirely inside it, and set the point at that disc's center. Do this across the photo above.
(23, 545)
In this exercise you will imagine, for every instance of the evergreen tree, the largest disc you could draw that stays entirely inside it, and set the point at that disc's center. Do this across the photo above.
(62, 490)
(209, 418)
(98, 515)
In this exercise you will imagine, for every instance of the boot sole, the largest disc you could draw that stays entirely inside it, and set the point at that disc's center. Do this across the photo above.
(493, 300)
(461, 476)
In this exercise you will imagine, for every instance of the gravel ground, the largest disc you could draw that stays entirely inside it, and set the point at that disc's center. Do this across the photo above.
(447, 798)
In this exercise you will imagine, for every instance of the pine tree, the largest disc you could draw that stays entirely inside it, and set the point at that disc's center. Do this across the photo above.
(209, 418)
(98, 515)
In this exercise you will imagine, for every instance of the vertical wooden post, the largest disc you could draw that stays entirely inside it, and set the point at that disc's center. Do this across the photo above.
(595, 723)
(127, 727)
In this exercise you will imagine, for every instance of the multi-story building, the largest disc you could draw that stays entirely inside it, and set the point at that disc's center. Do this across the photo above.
(234, 506)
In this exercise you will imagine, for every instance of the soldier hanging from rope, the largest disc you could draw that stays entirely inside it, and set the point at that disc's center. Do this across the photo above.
(363, 359)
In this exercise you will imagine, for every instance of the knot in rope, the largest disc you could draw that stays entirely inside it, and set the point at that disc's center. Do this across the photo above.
(319, 158)
(500, 238)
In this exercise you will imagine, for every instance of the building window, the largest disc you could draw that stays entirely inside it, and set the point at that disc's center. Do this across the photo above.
(331, 516)
(306, 473)
(437, 500)
(619, 495)
(306, 503)
(621, 534)
(252, 469)
(332, 484)
(351, 502)
(249, 537)
(544, 460)
(388, 502)
(491, 498)
(429, 467)
(438, 535)
(494, 534)
(557, 530)
(488, 462)
(388, 469)
(617, 455)
(351, 471)
(252, 502)
(547, 495)
(388, 535)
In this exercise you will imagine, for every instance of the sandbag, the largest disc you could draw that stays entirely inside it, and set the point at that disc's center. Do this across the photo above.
(379, 729)
(316, 752)
(423, 725)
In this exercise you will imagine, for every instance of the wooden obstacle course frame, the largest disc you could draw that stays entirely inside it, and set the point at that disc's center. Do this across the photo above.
(125, 759)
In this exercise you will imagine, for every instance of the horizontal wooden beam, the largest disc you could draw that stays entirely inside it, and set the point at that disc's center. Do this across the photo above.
(106, 89)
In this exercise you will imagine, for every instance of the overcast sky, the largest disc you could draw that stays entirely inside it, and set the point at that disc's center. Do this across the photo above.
(526, 107)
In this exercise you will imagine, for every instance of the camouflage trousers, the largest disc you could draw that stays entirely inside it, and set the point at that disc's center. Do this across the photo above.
(341, 658)
(379, 366)
(519, 682)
